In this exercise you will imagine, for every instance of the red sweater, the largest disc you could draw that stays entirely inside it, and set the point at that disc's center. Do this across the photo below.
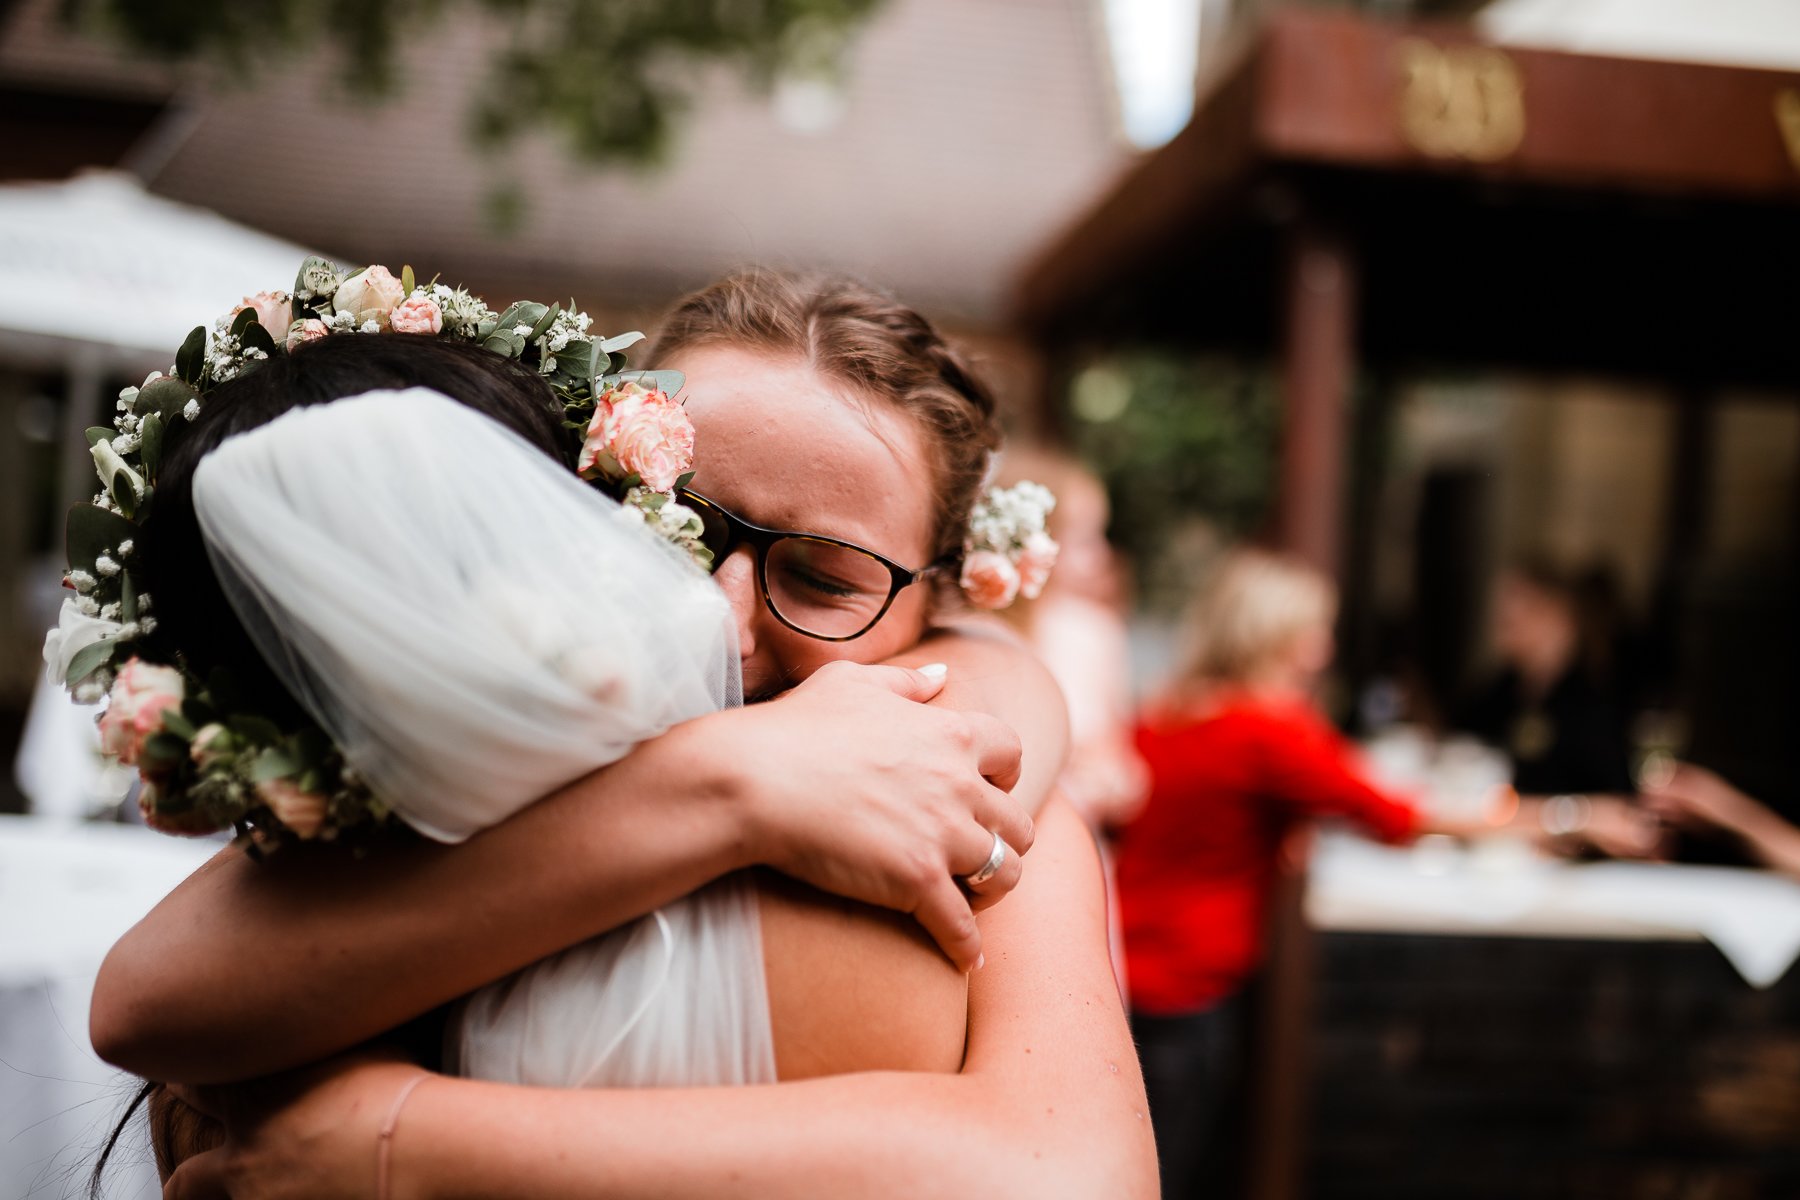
(1195, 868)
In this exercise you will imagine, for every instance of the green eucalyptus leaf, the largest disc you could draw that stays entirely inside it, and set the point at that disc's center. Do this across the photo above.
(89, 659)
(272, 763)
(576, 360)
(150, 442)
(91, 532)
(246, 317)
(198, 712)
(406, 279)
(685, 478)
(190, 360)
(543, 323)
(128, 598)
(122, 493)
(166, 397)
(257, 338)
(623, 341)
(178, 725)
(100, 433)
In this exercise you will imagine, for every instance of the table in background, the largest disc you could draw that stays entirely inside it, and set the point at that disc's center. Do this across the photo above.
(1501, 1027)
(67, 891)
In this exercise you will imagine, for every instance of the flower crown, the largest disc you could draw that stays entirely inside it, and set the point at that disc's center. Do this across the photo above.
(208, 757)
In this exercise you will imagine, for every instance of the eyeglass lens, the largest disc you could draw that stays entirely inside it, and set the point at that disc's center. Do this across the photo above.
(817, 586)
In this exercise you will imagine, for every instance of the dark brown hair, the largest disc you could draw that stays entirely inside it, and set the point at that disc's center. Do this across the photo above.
(866, 339)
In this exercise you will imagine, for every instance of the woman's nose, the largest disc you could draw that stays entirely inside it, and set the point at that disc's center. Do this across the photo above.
(737, 577)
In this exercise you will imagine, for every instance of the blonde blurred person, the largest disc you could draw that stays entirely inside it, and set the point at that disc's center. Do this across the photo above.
(1238, 756)
(1077, 626)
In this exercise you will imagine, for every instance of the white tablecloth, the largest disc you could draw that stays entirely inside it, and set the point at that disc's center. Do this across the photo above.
(1753, 917)
(66, 894)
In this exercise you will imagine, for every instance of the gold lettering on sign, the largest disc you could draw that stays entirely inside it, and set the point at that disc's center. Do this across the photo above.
(1787, 120)
(1464, 102)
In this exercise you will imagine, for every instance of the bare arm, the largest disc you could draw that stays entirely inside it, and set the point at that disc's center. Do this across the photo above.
(1696, 796)
(1050, 1103)
(252, 968)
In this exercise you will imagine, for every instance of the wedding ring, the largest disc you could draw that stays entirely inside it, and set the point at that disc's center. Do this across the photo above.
(991, 867)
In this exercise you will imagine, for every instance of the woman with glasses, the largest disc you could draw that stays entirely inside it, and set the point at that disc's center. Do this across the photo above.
(841, 445)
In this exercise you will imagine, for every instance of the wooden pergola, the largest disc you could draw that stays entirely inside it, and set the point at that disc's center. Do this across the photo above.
(1360, 196)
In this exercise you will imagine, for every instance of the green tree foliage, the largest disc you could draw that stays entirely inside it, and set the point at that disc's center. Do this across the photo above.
(606, 76)
(1187, 451)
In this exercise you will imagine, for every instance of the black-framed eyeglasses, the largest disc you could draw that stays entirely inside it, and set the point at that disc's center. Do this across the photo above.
(823, 587)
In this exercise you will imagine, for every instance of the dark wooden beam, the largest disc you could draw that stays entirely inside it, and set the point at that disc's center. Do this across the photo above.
(50, 134)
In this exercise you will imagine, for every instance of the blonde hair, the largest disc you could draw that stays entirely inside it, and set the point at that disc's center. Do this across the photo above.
(1252, 607)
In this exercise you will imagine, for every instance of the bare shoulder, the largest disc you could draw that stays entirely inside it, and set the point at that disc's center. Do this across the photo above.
(855, 988)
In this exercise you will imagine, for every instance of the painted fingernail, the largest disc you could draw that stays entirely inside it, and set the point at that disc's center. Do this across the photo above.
(934, 670)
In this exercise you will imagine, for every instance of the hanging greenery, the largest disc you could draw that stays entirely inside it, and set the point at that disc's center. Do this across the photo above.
(608, 77)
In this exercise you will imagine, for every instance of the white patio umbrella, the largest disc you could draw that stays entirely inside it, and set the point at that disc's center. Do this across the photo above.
(1744, 33)
(99, 279)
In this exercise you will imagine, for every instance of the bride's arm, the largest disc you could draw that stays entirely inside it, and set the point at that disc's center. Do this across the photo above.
(249, 968)
(1049, 1104)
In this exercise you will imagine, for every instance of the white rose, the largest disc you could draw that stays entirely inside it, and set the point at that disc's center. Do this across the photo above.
(371, 291)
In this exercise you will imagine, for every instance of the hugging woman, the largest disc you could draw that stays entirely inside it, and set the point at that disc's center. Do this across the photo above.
(826, 416)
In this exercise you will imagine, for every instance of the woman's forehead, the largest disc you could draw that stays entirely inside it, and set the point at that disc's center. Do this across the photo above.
(776, 440)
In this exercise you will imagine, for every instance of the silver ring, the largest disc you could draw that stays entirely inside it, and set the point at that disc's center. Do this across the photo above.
(991, 867)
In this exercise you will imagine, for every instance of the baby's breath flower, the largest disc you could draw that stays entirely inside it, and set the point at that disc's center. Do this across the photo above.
(81, 581)
(106, 565)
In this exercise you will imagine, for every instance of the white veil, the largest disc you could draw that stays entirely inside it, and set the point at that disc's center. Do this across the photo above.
(475, 627)
(471, 623)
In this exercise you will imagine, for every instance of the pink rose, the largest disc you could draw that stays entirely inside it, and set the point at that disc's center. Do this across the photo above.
(989, 580)
(1036, 561)
(638, 431)
(274, 312)
(302, 812)
(417, 314)
(371, 294)
(309, 330)
(141, 694)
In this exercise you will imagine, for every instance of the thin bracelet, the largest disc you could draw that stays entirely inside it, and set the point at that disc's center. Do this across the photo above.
(1564, 815)
(385, 1139)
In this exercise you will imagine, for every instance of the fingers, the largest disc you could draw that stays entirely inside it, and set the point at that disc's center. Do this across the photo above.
(945, 913)
(999, 813)
(911, 683)
(998, 751)
(201, 1177)
(984, 894)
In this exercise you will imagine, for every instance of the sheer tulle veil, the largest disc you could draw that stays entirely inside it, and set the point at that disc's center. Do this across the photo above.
(476, 627)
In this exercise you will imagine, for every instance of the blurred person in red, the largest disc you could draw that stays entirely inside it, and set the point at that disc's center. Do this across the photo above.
(1239, 755)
